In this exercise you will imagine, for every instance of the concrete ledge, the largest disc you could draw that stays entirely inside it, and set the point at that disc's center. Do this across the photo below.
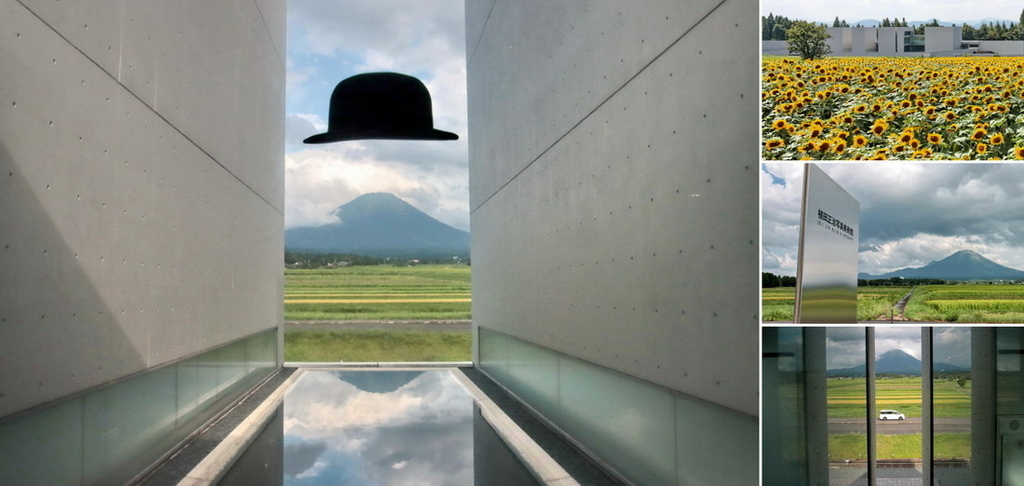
(212, 468)
(533, 457)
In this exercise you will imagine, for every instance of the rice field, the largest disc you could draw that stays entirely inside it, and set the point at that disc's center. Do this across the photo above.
(378, 292)
(967, 303)
(872, 302)
(846, 397)
(873, 108)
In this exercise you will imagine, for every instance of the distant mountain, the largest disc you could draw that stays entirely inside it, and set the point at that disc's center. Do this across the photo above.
(896, 362)
(961, 266)
(915, 23)
(380, 225)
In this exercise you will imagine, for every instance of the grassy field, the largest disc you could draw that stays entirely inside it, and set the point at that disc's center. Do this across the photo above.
(872, 302)
(854, 446)
(967, 303)
(853, 108)
(378, 292)
(358, 346)
(846, 397)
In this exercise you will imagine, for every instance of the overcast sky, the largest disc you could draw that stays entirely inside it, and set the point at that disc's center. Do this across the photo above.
(330, 41)
(845, 346)
(855, 10)
(910, 213)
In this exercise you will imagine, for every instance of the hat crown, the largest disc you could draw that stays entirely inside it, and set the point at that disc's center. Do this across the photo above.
(380, 106)
(381, 100)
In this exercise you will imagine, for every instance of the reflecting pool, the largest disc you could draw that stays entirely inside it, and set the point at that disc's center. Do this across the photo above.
(386, 427)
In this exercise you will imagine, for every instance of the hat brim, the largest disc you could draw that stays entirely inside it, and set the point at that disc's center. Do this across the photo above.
(365, 134)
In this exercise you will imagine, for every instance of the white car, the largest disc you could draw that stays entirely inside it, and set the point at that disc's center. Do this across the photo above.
(890, 415)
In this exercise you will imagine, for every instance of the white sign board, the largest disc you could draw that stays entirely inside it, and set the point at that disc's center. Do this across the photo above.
(826, 272)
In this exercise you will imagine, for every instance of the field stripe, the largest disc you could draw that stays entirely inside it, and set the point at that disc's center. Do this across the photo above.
(371, 301)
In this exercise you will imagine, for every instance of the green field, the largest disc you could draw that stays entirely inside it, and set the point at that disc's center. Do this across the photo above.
(978, 303)
(378, 292)
(872, 302)
(846, 397)
(362, 346)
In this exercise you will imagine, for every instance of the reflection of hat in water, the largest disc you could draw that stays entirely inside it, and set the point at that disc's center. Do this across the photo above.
(380, 106)
(378, 381)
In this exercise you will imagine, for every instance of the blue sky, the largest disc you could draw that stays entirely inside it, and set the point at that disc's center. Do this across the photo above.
(330, 41)
(854, 10)
(910, 213)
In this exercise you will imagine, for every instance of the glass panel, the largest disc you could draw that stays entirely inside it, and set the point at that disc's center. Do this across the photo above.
(628, 423)
(493, 353)
(1010, 403)
(125, 423)
(784, 460)
(846, 369)
(951, 404)
(898, 403)
(43, 448)
(533, 376)
(715, 445)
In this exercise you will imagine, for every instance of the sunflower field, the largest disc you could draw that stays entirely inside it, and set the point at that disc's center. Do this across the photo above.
(868, 108)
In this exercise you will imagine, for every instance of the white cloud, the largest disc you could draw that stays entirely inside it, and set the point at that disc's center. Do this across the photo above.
(330, 41)
(911, 214)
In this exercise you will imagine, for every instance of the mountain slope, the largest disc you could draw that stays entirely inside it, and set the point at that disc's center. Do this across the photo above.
(962, 265)
(381, 225)
(895, 362)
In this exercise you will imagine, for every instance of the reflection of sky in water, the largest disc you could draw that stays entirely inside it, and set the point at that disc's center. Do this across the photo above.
(378, 428)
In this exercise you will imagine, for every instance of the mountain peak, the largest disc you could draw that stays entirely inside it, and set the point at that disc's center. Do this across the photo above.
(382, 225)
(960, 266)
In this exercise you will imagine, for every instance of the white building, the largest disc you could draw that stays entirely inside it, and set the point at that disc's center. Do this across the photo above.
(902, 42)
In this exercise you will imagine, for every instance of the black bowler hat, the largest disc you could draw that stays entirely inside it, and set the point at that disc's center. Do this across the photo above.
(380, 106)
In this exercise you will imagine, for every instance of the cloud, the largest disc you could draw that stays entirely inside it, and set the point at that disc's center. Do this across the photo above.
(910, 214)
(856, 10)
(330, 41)
(318, 180)
(379, 437)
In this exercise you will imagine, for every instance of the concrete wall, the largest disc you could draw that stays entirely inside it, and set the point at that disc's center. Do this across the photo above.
(891, 40)
(863, 40)
(142, 186)
(942, 38)
(1002, 47)
(840, 39)
(613, 170)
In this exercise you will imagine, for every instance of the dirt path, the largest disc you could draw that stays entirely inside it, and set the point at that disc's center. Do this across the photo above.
(898, 309)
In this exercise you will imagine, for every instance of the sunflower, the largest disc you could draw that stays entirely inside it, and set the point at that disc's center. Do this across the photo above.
(860, 108)
(981, 148)
(779, 124)
(824, 146)
(879, 127)
(906, 137)
(839, 146)
(979, 134)
(949, 116)
(996, 139)
(859, 140)
(1018, 153)
(934, 138)
(774, 143)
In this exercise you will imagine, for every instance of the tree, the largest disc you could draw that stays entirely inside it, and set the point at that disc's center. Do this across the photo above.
(770, 280)
(808, 40)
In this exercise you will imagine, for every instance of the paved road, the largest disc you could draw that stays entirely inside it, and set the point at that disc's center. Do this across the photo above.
(435, 326)
(912, 425)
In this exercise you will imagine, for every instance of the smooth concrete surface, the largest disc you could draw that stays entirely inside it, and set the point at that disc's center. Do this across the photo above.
(142, 186)
(611, 153)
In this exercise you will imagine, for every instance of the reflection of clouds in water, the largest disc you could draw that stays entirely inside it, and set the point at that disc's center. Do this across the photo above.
(420, 433)
(302, 456)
